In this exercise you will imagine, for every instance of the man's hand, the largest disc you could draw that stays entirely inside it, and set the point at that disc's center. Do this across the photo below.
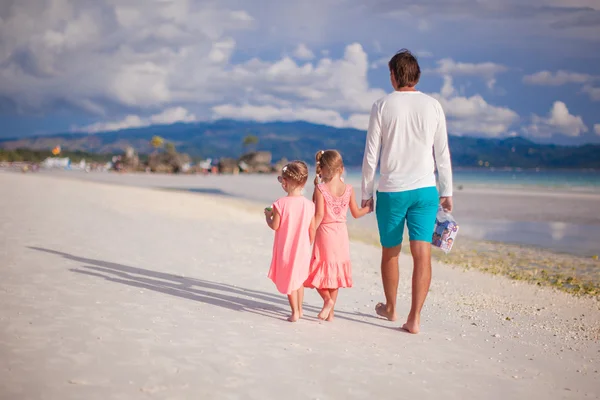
(367, 203)
(446, 203)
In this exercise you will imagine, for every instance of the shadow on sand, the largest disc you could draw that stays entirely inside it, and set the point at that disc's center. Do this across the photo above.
(217, 294)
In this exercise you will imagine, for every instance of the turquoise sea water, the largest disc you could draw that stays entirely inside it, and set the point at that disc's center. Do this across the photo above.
(576, 180)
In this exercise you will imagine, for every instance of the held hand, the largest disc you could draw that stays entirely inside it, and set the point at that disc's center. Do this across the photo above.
(268, 213)
(446, 203)
(367, 203)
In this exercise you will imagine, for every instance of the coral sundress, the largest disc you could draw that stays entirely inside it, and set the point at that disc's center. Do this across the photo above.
(330, 266)
(291, 247)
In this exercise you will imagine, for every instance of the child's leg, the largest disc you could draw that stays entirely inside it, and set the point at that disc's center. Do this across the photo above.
(333, 293)
(293, 299)
(300, 300)
(327, 303)
(324, 293)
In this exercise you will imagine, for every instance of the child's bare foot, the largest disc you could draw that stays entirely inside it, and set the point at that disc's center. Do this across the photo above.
(384, 312)
(411, 327)
(294, 317)
(327, 306)
(330, 316)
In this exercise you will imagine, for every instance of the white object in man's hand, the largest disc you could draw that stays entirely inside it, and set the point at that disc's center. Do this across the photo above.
(446, 203)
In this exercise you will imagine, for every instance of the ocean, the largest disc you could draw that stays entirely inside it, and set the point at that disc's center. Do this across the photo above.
(587, 180)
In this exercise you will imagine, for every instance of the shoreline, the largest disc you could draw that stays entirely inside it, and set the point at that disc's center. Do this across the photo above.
(576, 192)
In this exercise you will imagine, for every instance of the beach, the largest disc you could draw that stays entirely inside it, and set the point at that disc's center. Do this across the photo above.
(143, 286)
(543, 235)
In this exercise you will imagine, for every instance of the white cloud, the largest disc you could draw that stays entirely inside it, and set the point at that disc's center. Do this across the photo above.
(486, 70)
(377, 46)
(302, 52)
(329, 84)
(111, 58)
(273, 113)
(380, 62)
(593, 92)
(597, 129)
(172, 115)
(558, 121)
(562, 18)
(473, 115)
(559, 78)
(423, 25)
(424, 54)
(167, 117)
(106, 55)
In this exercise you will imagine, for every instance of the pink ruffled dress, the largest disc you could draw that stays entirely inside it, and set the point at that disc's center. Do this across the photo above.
(330, 266)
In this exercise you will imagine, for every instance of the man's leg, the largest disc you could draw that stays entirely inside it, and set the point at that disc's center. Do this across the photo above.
(391, 212)
(421, 280)
(390, 275)
(420, 220)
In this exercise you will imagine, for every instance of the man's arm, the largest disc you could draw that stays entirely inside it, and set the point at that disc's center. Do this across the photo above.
(371, 157)
(442, 161)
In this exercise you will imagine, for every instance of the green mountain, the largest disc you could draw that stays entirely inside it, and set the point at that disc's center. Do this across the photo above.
(301, 140)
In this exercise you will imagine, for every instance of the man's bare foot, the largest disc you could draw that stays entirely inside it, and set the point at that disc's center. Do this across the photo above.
(294, 317)
(411, 327)
(382, 311)
(327, 306)
(330, 316)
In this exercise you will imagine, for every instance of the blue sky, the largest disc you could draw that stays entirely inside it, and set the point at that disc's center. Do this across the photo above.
(499, 68)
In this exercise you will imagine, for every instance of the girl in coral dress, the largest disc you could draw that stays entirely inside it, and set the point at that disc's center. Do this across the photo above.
(292, 219)
(330, 267)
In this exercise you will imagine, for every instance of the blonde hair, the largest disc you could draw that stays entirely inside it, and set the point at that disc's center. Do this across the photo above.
(296, 172)
(329, 162)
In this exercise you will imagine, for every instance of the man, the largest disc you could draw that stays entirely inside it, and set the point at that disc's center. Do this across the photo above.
(406, 129)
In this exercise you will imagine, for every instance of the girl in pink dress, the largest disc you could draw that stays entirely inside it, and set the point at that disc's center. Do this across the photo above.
(292, 219)
(330, 266)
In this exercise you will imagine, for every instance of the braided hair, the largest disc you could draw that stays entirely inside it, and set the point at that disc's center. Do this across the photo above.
(296, 172)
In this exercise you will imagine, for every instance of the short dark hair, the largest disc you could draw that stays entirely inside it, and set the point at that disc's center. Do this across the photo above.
(405, 68)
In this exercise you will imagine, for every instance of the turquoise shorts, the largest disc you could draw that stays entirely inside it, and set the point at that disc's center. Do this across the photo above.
(418, 208)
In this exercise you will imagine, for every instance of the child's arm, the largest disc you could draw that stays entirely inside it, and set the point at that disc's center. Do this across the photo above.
(273, 218)
(354, 210)
(312, 231)
(319, 207)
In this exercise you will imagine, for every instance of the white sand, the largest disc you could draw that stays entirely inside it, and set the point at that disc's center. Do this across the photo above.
(113, 292)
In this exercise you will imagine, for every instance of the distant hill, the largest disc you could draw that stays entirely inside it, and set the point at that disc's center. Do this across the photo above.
(300, 140)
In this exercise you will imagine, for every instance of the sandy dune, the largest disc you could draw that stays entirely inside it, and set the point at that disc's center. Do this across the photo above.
(116, 292)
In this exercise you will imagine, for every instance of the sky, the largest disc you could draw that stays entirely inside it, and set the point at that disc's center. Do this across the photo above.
(499, 68)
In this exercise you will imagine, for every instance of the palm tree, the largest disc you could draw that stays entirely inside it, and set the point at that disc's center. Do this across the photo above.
(250, 141)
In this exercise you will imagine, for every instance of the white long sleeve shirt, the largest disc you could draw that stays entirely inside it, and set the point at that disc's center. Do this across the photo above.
(406, 129)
